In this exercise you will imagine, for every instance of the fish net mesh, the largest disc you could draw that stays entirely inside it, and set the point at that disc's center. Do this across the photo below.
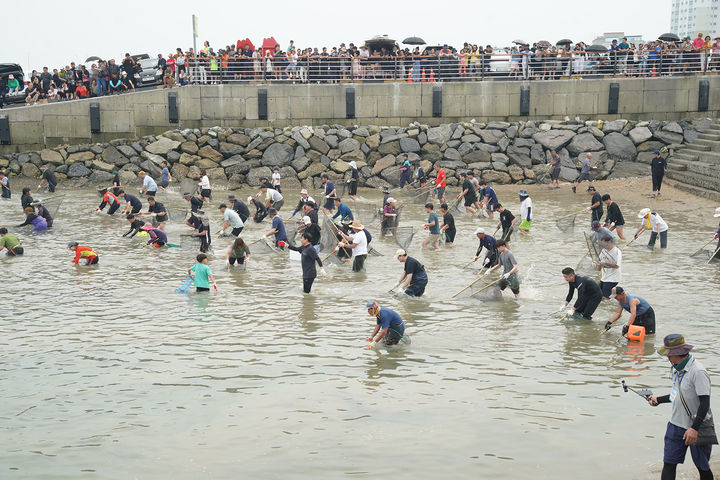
(263, 246)
(328, 236)
(403, 236)
(368, 214)
(487, 289)
(566, 223)
(422, 196)
(188, 185)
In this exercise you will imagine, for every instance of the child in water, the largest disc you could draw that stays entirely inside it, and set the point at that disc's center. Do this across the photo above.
(201, 274)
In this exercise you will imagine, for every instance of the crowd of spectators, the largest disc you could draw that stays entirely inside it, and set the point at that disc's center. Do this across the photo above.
(243, 62)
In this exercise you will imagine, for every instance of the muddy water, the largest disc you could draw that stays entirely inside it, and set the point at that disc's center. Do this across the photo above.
(108, 374)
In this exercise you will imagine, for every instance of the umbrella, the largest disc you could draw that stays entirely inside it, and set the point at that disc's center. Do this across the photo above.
(544, 44)
(596, 48)
(414, 41)
(520, 42)
(241, 44)
(93, 59)
(380, 39)
(564, 41)
(669, 37)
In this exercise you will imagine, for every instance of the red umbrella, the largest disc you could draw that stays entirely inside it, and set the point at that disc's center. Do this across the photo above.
(269, 44)
(241, 45)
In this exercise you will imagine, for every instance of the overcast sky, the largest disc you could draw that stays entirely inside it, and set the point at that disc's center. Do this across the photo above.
(57, 33)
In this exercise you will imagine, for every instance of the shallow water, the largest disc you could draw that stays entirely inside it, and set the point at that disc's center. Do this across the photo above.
(108, 374)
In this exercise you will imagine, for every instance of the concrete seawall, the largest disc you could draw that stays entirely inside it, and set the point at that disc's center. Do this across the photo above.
(148, 112)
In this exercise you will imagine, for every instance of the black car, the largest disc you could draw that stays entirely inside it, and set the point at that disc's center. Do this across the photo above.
(148, 73)
(15, 70)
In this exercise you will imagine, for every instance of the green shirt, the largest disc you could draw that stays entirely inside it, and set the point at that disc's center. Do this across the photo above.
(202, 272)
(240, 252)
(9, 241)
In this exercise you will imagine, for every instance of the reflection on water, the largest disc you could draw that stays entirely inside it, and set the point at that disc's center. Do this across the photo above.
(102, 365)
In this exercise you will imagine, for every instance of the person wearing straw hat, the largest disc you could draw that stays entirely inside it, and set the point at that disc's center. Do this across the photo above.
(304, 198)
(653, 221)
(390, 325)
(414, 278)
(525, 212)
(690, 398)
(357, 241)
(641, 313)
(353, 180)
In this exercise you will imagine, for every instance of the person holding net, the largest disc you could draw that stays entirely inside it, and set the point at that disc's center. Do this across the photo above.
(489, 243)
(614, 219)
(506, 259)
(414, 278)
(387, 224)
(390, 325)
(468, 194)
(595, 208)
(507, 222)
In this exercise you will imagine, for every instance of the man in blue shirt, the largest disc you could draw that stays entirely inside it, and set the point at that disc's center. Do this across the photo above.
(622, 51)
(641, 313)
(343, 211)
(5, 185)
(277, 229)
(165, 177)
(490, 200)
(132, 203)
(389, 324)
(149, 187)
(488, 242)
(584, 172)
(329, 193)
(433, 226)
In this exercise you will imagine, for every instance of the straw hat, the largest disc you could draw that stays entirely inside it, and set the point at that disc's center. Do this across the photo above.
(356, 225)
(674, 344)
(644, 213)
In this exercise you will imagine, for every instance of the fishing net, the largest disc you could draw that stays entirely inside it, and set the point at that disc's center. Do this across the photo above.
(593, 248)
(422, 196)
(263, 246)
(403, 236)
(333, 259)
(374, 253)
(368, 214)
(328, 239)
(177, 214)
(456, 207)
(487, 289)
(566, 223)
(340, 189)
(587, 267)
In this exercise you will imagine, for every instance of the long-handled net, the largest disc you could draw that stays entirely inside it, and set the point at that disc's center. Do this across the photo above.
(421, 196)
(487, 289)
(188, 185)
(566, 223)
(403, 236)
(367, 213)
(262, 246)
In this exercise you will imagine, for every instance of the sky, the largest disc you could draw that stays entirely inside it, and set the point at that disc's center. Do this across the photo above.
(109, 30)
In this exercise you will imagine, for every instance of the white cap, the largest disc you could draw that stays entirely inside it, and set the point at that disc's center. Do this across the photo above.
(644, 213)
(479, 230)
(303, 192)
(717, 212)
(353, 164)
(400, 253)
(390, 199)
(249, 199)
(307, 220)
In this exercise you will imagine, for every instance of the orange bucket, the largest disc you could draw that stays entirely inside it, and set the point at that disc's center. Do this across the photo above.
(636, 333)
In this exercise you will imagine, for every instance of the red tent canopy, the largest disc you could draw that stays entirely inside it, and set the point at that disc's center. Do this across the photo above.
(269, 44)
(241, 45)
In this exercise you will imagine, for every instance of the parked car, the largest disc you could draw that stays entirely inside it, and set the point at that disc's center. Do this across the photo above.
(148, 73)
(17, 71)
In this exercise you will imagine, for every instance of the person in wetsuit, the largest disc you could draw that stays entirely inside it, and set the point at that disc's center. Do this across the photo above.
(588, 290)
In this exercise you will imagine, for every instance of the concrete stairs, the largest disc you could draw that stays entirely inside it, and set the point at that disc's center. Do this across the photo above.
(696, 168)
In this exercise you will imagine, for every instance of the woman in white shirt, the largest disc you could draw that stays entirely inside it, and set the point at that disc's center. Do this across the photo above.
(204, 185)
(653, 221)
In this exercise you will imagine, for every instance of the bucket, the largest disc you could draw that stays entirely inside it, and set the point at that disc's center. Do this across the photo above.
(636, 333)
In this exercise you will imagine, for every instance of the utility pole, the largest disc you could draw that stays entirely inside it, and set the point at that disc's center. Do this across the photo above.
(195, 32)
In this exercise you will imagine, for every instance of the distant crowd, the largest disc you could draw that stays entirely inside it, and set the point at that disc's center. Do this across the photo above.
(243, 62)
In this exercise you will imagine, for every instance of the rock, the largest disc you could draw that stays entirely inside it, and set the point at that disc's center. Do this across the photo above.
(206, 164)
(340, 166)
(383, 163)
(238, 139)
(537, 154)
(439, 135)
(409, 145)
(100, 165)
(155, 159)
(51, 156)
(97, 149)
(331, 140)
(497, 125)
(99, 176)
(452, 164)
(113, 156)
(500, 158)
(544, 127)
(315, 168)
(458, 132)
(162, 146)
(650, 146)
(619, 146)
(30, 170)
(516, 173)
(149, 167)
(492, 176)
(477, 156)
(554, 139)
(690, 135)
(511, 131)
(194, 172)
(278, 155)
(519, 156)
(464, 149)
(300, 139)
(255, 174)
(216, 174)
(179, 171)
(479, 166)
(452, 154)
(318, 144)
(81, 157)
(584, 142)
(361, 132)
(524, 142)
(392, 148)
(356, 155)
(640, 134)
(232, 161)
(227, 149)
(77, 170)
(614, 126)
(373, 141)
(529, 174)
(673, 127)
(597, 133)
(348, 145)
(391, 175)
(668, 137)
(377, 182)
(306, 133)
(211, 154)
(491, 136)
(300, 164)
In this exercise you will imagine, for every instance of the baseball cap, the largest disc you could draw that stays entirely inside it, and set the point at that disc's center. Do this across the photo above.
(595, 225)
(400, 253)
(307, 220)
(479, 231)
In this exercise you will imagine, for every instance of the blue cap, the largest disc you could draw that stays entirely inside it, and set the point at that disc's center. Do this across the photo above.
(656, 152)
(595, 225)
(369, 303)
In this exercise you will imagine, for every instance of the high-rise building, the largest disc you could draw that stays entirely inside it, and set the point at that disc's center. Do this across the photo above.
(690, 17)
(607, 38)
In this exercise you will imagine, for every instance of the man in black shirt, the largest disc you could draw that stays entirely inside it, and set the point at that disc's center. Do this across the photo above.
(595, 207)
(414, 278)
(158, 209)
(132, 203)
(135, 225)
(589, 294)
(313, 229)
(309, 256)
(614, 219)
(48, 177)
(195, 203)
(239, 206)
(448, 224)
(309, 210)
(468, 192)
(657, 168)
(507, 220)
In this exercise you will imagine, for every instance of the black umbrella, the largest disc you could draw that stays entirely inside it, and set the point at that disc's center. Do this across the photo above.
(520, 42)
(669, 37)
(596, 48)
(544, 44)
(414, 41)
(92, 59)
(564, 41)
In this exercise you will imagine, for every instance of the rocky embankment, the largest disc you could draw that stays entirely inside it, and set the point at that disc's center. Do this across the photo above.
(497, 152)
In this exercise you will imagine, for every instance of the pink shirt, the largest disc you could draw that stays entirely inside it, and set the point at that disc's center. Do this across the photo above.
(698, 43)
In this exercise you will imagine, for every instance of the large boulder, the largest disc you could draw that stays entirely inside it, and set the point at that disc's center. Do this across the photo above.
(348, 145)
(238, 139)
(452, 154)
(673, 127)
(255, 174)
(30, 170)
(667, 136)
(211, 154)
(519, 156)
(409, 145)
(377, 182)
(391, 175)
(315, 168)
(516, 173)
(179, 171)
(391, 148)
(103, 166)
(491, 136)
(619, 146)
(493, 176)
(340, 166)
(373, 141)
(98, 176)
(640, 134)
(51, 156)
(584, 142)
(477, 156)
(278, 155)
(383, 163)
(81, 157)
(300, 164)
(554, 139)
(439, 135)
(206, 164)
(614, 126)
(150, 168)
(113, 156)
(77, 170)
(298, 137)
(162, 146)
(318, 144)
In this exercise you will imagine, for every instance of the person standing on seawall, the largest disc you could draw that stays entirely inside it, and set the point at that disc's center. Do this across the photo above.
(690, 398)
(657, 168)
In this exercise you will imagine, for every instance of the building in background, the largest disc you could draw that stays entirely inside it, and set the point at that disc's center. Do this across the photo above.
(690, 17)
(607, 38)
